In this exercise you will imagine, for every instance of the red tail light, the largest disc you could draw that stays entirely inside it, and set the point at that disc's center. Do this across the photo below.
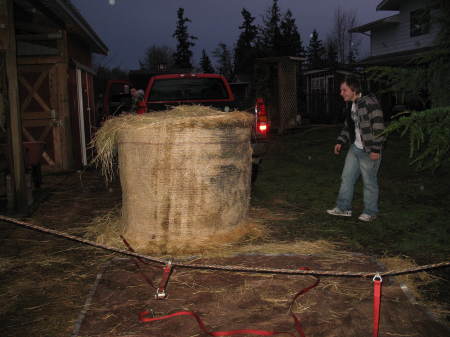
(262, 123)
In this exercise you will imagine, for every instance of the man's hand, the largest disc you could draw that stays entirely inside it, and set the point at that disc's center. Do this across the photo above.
(374, 156)
(337, 149)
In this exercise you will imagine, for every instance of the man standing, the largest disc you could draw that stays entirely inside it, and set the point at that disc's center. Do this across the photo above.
(362, 126)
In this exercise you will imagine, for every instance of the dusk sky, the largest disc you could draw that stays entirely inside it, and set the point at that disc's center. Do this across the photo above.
(130, 26)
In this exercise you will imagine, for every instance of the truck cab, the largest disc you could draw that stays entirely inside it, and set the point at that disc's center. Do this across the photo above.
(163, 91)
(176, 89)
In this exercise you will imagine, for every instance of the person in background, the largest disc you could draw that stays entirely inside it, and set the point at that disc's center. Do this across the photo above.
(362, 127)
(137, 96)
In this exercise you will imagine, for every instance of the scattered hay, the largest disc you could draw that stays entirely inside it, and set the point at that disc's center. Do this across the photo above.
(6, 264)
(296, 247)
(412, 281)
(337, 286)
(270, 215)
(250, 237)
(45, 260)
(107, 228)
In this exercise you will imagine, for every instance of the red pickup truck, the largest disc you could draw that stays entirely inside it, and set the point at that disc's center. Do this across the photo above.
(163, 91)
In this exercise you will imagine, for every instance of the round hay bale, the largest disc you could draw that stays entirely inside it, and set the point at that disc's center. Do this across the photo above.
(185, 176)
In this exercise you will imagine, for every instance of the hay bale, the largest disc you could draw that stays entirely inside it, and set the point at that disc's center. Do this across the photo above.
(185, 174)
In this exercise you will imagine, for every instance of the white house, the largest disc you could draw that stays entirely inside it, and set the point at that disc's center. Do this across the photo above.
(409, 32)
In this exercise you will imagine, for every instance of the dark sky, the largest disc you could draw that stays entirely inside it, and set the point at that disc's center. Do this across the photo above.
(130, 26)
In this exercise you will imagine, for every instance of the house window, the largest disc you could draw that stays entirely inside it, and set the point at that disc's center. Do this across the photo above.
(318, 83)
(420, 22)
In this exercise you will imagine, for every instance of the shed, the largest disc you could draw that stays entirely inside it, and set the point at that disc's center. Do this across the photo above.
(46, 61)
(323, 102)
(278, 81)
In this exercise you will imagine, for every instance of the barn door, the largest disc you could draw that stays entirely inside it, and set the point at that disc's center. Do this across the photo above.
(37, 87)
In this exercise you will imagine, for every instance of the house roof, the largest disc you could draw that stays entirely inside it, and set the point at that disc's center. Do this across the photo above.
(398, 58)
(75, 23)
(329, 69)
(277, 59)
(390, 20)
(389, 5)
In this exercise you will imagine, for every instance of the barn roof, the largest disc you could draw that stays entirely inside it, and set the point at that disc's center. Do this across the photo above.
(388, 5)
(75, 23)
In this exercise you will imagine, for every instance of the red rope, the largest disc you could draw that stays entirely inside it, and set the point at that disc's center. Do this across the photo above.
(297, 325)
(376, 304)
(136, 260)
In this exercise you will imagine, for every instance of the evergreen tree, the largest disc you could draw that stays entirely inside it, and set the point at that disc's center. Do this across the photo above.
(315, 51)
(291, 43)
(225, 65)
(157, 58)
(271, 34)
(331, 53)
(205, 63)
(182, 56)
(246, 46)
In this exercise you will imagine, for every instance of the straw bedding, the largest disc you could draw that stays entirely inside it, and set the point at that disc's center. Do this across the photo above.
(185, 174)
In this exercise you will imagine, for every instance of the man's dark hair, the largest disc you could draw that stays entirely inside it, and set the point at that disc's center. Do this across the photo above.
(354, 83)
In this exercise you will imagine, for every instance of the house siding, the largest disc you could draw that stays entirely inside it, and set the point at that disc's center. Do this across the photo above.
(397, 38)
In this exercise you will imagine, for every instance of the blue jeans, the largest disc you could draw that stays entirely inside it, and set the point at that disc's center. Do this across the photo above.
(358, 162)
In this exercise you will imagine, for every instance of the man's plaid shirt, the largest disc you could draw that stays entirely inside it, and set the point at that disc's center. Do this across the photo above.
(371, 124)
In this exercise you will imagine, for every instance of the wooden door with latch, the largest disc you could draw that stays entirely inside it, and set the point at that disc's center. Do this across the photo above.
(38, 105)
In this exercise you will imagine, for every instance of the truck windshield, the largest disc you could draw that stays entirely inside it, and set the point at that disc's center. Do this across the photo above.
(180, 89)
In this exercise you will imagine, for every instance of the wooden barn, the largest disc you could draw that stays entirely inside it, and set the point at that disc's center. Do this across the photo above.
(46, 75)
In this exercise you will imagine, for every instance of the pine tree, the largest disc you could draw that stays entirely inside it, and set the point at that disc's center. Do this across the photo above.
(225, 65)
(331, 53)
(315, 51)
(271, 34)
(246, 46)
(182, 56)
(205, 63)
(157, 58)
(291, 43)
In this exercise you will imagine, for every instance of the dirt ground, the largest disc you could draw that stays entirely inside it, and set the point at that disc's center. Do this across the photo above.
(229, 301)
(46, 284)
(45, 280)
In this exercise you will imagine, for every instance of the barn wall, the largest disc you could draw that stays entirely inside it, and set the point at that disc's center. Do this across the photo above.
(49, 101)
(79, 51)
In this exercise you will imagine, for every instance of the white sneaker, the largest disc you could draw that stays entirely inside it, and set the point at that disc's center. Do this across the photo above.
(366, 217)
(338, 212)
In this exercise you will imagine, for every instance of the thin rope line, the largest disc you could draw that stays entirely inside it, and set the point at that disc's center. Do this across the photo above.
(242, 269)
